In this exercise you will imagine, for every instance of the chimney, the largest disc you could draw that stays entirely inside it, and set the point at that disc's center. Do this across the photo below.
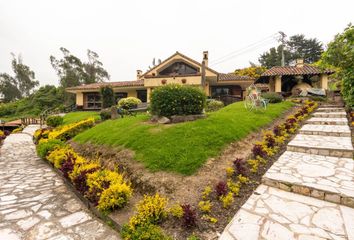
(299, 62)
(205, 58)
(138, 74)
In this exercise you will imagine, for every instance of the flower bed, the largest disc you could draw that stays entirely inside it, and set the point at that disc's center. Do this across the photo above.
(107, 190)
(218, 201)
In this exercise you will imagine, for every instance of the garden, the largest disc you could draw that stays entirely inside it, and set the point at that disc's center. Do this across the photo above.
(170, 181)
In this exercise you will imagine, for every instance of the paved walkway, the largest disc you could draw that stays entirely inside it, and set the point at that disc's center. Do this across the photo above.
(34, 202)
(308, 193)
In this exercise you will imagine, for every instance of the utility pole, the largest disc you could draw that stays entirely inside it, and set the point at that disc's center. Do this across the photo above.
(282, 40)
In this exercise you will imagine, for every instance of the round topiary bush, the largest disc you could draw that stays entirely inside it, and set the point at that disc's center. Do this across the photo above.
(174, 99)
(272, 97)
(213, 105)
(129, 102)
(54, 121)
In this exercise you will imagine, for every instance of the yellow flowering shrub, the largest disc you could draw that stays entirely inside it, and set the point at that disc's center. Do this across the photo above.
(17, 130)
(61, 154)
(242, 179)
(176, 210)
(234, 187)
(81, 166)
(206, 192)
(70, 130)
(2, 133)
(102, 179)
(209, 219)
(116, 196)
(254, 164)
(205, 206)
(230, 172)
(227, 200)
(152, 209)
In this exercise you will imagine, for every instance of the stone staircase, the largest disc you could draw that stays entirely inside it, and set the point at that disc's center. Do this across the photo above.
(308, 193)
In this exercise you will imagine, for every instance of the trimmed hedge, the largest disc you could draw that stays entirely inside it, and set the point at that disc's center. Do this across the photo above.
(129, 102)
(174, 99)
(272, 97)
(54, 121)
(44, 147)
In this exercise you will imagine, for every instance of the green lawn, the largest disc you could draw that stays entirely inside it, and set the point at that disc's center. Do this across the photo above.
(184, 147)
(78, 116)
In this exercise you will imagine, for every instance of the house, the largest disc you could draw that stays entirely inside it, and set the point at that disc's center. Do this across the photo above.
(293, 79)
(179, 69)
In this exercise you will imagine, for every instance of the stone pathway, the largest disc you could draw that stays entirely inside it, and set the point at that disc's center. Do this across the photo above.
(35, 204)
(308, 193)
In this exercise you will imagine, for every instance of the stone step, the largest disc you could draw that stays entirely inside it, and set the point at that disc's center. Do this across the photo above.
(322, 145)
(327, 121)
(326, 130)
(330, 114)
(271, 213)
(327, 109)
(339, 105)
(322, 177)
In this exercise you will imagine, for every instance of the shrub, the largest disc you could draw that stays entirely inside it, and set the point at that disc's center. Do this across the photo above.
(258, 150)
(213, 105)
(17, 130)
(54, 121)
(2, 135)
(105, 114)
(60, 154)
(205, 206)
(269, 139)
(43, 148)
(116, 196)
(68, 165)
(272, 97)
(227, 199)
(234, 187)
(174, 99)
(68, 131)
(152, 209)
(221, 188)
(240, 166)
(189, 216)
(128, 103)
(107, 96)
(176, 211)
(39, 134)
(80, 180)
(146, 231)
(206, 192)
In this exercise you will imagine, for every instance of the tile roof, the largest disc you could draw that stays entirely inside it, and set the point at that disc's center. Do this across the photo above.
(293, 70)
(112, 84)
(233, 77)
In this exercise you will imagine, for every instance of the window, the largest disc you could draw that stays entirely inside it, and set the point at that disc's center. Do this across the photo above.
(119, 95)
(178, 68)
(93, 101)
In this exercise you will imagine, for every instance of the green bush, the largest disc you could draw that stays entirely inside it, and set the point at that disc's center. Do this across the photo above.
(174, 99)
(213, 105)
(147, 231)
(54, 121)
(272, 97)
(43, 148)
(105, 114)
(129, 102)
(107, 96)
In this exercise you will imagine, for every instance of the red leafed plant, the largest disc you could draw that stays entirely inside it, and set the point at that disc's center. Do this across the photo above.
(80, 181)
(189, 216)
(221, 188)
(240, 166)
(68, 166)
(257, 150)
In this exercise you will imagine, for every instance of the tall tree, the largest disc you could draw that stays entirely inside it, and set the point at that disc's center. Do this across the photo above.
(69, 69)
(296, 47)
(93, 69)
(24, 75)
(21, 84)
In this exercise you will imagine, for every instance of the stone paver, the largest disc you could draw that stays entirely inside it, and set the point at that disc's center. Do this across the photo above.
(326, 130)
(35, 203)
(274, 214)
(328, 121)
(322, 145)
(330, 109)
(330, 114)
(323, 177)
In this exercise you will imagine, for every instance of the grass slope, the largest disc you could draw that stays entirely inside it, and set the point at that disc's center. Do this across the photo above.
(184, 147)
(78, 116)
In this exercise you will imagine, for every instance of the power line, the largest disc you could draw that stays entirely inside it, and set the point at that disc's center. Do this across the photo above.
(248, 46)
(243, 51)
